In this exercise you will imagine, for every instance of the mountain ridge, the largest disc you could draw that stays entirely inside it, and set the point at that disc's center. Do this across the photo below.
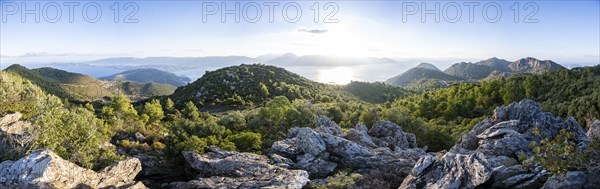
(481, 70)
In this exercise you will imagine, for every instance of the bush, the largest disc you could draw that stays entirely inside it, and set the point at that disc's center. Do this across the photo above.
(279, 115)
(193, 144)
(340, 180)
(135, 145)
(558, 155)
(158, 145)
(73, 134)
(234, 121)
(246, 141)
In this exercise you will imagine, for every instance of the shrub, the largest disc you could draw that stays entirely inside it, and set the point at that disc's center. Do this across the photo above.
(158, 145)
(135, 145)
(246, 141)
(340, 180)
(193, 144)
(558, 155)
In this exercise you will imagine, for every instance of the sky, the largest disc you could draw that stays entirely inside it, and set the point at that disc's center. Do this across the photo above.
(567, 32)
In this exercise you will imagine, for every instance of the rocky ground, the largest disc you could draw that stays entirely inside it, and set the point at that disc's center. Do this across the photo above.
(488, 155)
(491, 155)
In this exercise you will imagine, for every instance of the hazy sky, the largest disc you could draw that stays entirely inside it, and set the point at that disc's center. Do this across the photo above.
(564, 31)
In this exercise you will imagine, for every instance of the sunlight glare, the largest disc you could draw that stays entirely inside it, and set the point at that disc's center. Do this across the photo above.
(337, 75)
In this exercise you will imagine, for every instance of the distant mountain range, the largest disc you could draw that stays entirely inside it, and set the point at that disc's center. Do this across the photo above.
(195, 67)
(149, 76)
(467, 71)
(365, 68)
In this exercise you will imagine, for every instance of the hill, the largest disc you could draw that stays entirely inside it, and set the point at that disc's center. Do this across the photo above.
(428, 66)
(478, 70)
(469, 70)
(535, 66)
(420, 75)
(79, 87)
(249, 85)
(500, 65)
(376, 92)
(149, 76)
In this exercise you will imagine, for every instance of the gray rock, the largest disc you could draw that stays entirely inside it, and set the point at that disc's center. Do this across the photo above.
(225, 169)
(450, 171)
(572, 180)
(325, 125)
(489, 152)
(139, 137)
(361, 137)
(594, 130)
(322, 150)
(150, 165)
(388, 134)
(10, 125)
(307, 148)
(45, 169)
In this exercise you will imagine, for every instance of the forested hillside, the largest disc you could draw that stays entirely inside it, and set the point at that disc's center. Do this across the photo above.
(250, 85)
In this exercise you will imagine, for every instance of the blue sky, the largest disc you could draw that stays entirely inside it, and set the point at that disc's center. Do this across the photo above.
(566, 31)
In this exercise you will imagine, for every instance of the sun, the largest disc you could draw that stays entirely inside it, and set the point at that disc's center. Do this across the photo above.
(337, 75)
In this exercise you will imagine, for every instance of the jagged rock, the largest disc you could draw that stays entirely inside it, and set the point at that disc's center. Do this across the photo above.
(594, 130)
(452, 171)
(139, 137)
(361, 137)
(322, 150)
(45, 169)
(487, 156)
(150, 165)
(10, 125)
(388, 134)
(307, 148)
(325, 125)
(225, 169)
(9, 119)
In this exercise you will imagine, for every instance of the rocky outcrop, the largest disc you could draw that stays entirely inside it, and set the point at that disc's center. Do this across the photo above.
(45, 169)
(226, 169)
(488, 155)
(10, 125)
(594, 130)
(326, 148)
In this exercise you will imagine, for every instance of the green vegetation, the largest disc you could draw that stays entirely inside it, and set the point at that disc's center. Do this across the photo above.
(247, 86)
(340, 180)
(248, 107)
(469, 71)
(558, 155)
(561, 154)
(149, 76)
(377, 92)
(145, 90)
(421, 76)
(71, 131)
(278, 116)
